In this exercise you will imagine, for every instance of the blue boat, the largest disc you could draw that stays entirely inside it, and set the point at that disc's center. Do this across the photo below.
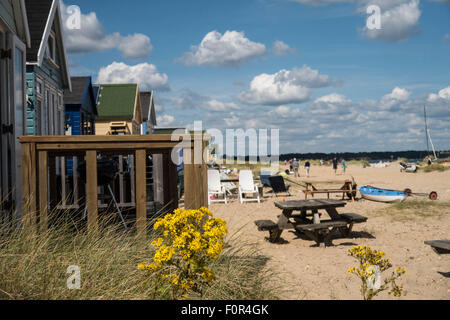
(382, 195)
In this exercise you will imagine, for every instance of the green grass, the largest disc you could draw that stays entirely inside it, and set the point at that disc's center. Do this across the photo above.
(416, 208)
(34, 266)
(434, 167)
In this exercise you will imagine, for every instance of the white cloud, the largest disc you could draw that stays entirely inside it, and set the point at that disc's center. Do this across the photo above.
(144, 74)
(165, 120)
(280, 48)
(93, 37)
(333, 98)
(284, 87)
(399, 20)
(285, 112)
(446, 37)
(230, 49)
(399, 94)
(215, 105)
(442, 94)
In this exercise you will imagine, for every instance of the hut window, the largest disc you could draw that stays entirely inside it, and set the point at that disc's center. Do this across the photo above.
(52, 47)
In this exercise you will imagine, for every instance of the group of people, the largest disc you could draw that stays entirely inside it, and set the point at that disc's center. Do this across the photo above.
(294, 166)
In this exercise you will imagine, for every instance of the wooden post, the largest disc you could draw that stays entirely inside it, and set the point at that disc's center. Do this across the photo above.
(195, 180)
(91, 190)
(29, 193)
(43, 190)
(63, 182)
(141, 193)
(52, 182)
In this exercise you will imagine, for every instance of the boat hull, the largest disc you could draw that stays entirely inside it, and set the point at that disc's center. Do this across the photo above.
(382, 195)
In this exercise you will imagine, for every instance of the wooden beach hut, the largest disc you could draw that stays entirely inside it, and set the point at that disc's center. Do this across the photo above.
(148, 112)
(119, 110)
(80, 107)
(47, 69)
(14, 41)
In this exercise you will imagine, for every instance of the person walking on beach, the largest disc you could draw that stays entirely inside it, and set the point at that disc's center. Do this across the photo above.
(344, 165)
(335, 163)
(307, 166)
(295, 166)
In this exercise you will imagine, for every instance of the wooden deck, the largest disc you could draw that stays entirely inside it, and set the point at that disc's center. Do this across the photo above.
(38, 171)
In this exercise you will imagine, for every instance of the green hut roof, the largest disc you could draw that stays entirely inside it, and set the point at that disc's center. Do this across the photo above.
(116, 101)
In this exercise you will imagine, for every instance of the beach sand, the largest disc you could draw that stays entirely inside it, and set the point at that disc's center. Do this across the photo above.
(311, 272)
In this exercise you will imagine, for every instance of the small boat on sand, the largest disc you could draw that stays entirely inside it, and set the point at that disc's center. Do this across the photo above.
(382, 195)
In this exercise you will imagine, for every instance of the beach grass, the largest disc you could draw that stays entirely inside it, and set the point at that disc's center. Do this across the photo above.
(434, 167)
(416, 208)
(35, 266)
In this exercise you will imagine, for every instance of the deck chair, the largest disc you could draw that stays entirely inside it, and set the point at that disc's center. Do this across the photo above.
(229, 186)
(278, 186)
(246, 186)
(264, 178)
(215, 187)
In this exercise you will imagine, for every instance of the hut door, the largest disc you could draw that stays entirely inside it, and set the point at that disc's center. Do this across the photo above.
(12, 119)
(3, 181)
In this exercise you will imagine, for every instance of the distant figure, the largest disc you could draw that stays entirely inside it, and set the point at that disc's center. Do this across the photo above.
(321, 162)
(344, 165)
(429, 161)
(291, 168)
(295, 166)
(307, 166)
(335, 164)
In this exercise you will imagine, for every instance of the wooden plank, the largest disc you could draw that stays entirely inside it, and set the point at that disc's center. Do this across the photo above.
(115, 146)
(173, 184)
(141, 194)
(52, 182)
(115, 138)
(43, 190)
(442, 244)
(321, 226)
(309, 204)
(29, 192)
(91, 190)
(63, 181)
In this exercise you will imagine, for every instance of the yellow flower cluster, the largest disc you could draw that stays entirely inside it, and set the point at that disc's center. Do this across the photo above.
(190, 240)
(369, 261)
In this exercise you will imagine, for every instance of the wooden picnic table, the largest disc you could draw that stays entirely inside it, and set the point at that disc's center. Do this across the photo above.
(348, 188)
(309, 220)
(439, 246)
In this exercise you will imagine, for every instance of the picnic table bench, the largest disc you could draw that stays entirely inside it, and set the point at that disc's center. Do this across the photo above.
(439, 246)
(308, 220)
(348, 188)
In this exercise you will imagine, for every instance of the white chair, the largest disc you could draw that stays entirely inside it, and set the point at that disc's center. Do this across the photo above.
(215, 187)
(246, 185)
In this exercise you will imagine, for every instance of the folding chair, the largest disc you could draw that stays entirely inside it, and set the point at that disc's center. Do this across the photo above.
(278, 186)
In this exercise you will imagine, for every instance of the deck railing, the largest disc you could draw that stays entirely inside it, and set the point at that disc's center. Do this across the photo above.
(39, 155)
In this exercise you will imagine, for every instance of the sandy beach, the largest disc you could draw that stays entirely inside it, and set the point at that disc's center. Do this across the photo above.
(311, 272)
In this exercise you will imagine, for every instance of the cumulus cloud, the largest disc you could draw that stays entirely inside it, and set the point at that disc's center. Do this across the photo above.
(93, 37)
(399, 94)
(230, 49)
(333, 98)
(285, 112)
(399, 20)
(215, 105)
(280, 48)
(144, 74)
(165, 120)
(442, 94)
(284, 87)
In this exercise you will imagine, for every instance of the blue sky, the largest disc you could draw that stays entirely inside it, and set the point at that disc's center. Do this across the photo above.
(313, 71)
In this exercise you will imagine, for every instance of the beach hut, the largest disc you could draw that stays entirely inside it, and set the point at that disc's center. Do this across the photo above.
(14, 40)
(80, 107)
(47, 70)
(80, 110)
(148, 112)
(119, 110)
